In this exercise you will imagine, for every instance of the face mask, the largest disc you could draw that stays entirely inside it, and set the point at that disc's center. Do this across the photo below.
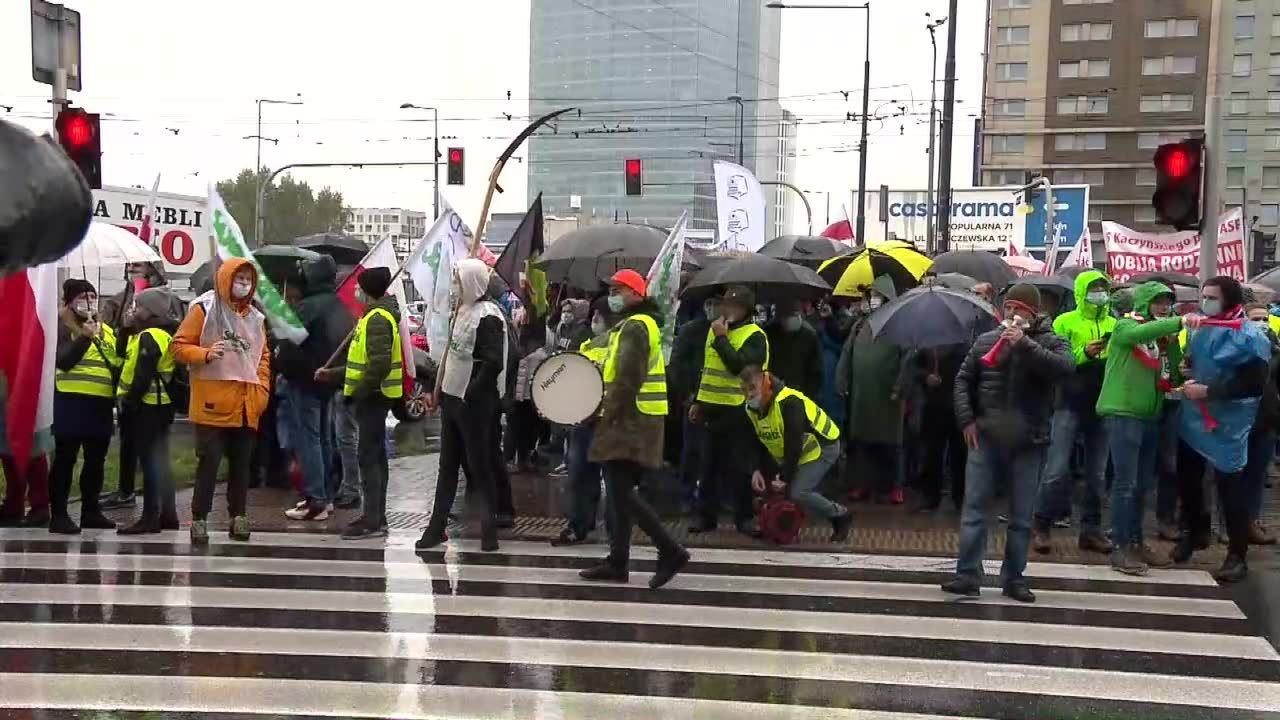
(753, 402)
(711, 311)
(792, 324)
(240, 289)
(1261, 324)
(617, 303)
(1018, 321)
(1097, 298)
(875, 302)
(1210, 306)
(84, 308)
(598, 327)
(761, 318)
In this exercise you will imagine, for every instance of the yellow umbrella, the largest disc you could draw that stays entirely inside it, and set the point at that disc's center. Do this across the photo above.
(899, 260)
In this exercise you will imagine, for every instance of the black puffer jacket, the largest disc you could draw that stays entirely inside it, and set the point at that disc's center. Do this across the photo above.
(1013, 401)
(328, 324)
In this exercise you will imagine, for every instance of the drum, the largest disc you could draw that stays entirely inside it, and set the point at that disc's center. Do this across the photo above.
(567, 389)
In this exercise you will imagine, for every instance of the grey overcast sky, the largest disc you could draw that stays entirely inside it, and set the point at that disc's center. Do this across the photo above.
(176, 82)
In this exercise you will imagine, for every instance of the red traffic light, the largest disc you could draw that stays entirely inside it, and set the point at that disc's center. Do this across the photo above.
(455, 167)
(455, 155)
(79, 137)
(633, 181)
(633, 167)
(1176, 162)
(1179, 178)
(76, 131)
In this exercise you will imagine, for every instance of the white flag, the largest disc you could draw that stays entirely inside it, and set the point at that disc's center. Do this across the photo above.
(1082, 254)
(430, 265)
(740, 205)
(663, 281)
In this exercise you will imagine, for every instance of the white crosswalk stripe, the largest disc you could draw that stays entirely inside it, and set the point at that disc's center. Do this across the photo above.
(304, 625)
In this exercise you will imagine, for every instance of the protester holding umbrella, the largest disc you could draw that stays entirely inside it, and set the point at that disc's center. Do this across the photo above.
(900, 261)
(796, 351)
(1004, 401)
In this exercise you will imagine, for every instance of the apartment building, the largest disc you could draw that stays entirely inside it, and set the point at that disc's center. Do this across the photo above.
(1083, 91)
(1249, 84)
(403, 227)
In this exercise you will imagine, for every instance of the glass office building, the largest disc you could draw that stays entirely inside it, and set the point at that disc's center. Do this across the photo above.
(652, 79)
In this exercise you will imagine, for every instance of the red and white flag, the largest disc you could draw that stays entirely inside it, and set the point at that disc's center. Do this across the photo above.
(29, 325)
(1082, 254)
(147, 230)
(383, 255)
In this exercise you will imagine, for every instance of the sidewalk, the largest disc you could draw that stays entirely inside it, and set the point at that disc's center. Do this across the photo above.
(878, 529)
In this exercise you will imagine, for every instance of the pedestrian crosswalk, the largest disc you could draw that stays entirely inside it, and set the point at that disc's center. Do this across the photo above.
(295, 625)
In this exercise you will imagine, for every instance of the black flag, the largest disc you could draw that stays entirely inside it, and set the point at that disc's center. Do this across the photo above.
(525, 246)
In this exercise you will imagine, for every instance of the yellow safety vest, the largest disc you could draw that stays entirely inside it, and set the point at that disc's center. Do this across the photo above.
(652, 398)
(92, 375)
(358, 358)
(770, 427)
(596, 349)
(153, 396)
(719, 386)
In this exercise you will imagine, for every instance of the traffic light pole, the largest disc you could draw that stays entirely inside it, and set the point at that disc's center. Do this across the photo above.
(1212, 191)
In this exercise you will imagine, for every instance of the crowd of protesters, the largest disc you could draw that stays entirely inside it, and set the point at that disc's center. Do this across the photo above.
(796, 399)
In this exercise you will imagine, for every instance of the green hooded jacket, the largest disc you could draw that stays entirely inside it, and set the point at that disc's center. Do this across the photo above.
(1129, 388)
(1086, 324)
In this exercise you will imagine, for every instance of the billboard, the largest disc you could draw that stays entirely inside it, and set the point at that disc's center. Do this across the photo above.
(984, 218)
(180, 229)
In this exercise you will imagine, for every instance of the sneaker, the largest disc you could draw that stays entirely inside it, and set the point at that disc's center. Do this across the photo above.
(347, 503)
(1154, 559)
(359, 531)
(118, 500)
(199, 532)
(1258, 534)
(1041, 542)
(96, 521)
(606, 571)
(1062, 524)
(960, 586)
(668, 566)
(1125, 560)
(897, 497)
(1002, 519)
(239, 528)
(1095, 542)
(1019, 592)
(1233, 570)
(307, 511)
(840, 527)
(62, 524)
(567, 537)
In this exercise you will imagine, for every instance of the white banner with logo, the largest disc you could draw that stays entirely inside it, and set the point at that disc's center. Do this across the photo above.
(740, 205)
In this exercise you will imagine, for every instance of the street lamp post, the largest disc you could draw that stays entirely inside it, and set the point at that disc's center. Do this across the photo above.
(742, 113)
(866, 101)
(930, 219)
(435, 145)
(257, 165)
(948, 127)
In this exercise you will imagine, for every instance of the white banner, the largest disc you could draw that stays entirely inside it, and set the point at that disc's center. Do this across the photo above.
(430, 265)
(663, 281)
(740, 205)
(179, 223)
(1130, 252)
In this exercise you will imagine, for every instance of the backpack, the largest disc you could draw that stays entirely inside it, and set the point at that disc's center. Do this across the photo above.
(179, 388)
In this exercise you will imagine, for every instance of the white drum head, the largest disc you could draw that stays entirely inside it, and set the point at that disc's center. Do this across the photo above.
(567, 388)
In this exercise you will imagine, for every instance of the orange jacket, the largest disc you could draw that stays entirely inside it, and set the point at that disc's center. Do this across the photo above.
(222, 403)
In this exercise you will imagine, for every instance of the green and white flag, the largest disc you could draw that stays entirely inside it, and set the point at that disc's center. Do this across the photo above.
(230, 244)
(664, 282)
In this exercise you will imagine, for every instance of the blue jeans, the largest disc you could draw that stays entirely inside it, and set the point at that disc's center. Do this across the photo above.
(312, 442)
(1261, 448)
(1167, 464)
(804, 486)
(1021, 471)
(345, 433)
(1134, 445)
(584, 484)
(1054, 498)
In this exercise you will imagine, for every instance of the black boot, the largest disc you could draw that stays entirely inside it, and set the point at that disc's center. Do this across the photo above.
(840, 527)
(144, 526)
(1233, 570)
(431, 538)
(62, 524)
(606, 571)
(960, 586)
(488, 538)
(668, 566)
(95, 520)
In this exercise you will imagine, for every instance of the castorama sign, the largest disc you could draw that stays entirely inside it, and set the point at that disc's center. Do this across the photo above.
(986, 218)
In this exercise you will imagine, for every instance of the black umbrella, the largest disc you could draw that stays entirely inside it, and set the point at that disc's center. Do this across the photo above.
(343, 248)
(771, 279)
(201, 280)
(977, 264)
(954, 281)
(805, 250)
(1172, 279)
(587, 257)
(930, 316)
(280, 261)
